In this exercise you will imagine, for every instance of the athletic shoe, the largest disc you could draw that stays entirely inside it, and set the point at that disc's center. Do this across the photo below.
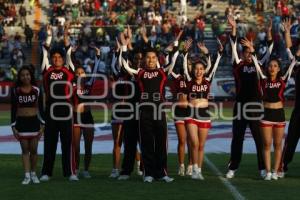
(268, 177)
(230, 174)
(139, 172)
(148, 179)
(44, 178)
(263, 173)
(189, 170)
(274, 176)
(281, 174)
(86, 174)
(35, 179)
(26, 181)
(197, 175)
(73, 178)
(114, 173)
(181, 170)
(123, 177)
(167, 179)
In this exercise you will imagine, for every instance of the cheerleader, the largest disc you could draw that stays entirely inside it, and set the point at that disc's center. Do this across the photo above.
(198, 125)
(27, 120)
(83, 119)
(273, 122)
(152, 120)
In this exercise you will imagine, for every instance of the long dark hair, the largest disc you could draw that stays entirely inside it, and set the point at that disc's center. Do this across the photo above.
(31, 70)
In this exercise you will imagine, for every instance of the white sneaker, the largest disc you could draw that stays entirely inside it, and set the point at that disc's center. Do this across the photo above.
(26, 181)
(86, 174)
(274, 176)
(44, 178)
(123, 177)
(73, 178)
(263, 173)
(139, 172)
(114, 173)
(268, 177)
(34, 179)
(197, 175)
(181, 170)
(148, 179)
(167, 179)
(189, 170)
(281, 174)
(230, 174)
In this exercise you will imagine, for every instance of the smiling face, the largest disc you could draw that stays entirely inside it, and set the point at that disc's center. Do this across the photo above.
(199, 71)
(25, 77)
(151, 60)
(57, 60)
(273, 68)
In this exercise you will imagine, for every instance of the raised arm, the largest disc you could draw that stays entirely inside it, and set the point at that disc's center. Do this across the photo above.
(171, 65)
(289, 71)
(214, 69)
(69, 62)
(233, 39)
(96, 66)
(45, 62)
(129, 69)
(204, 50)
(270, 42)
(185, 67)
(287, 33)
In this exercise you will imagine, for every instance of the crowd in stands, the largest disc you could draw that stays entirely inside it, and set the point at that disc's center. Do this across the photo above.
(98, 22)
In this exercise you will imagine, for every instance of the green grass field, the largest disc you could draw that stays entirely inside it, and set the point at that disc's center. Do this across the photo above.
(99, 115)
(247, 182)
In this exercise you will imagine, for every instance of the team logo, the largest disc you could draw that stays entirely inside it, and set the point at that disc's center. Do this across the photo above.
(27, 99)
(249, 70)
(150, 75)
(55, 76)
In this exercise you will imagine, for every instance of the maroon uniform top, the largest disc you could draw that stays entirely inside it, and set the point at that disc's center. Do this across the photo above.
(32, 99)
(152, 85)
(198, 91)
(273, 90)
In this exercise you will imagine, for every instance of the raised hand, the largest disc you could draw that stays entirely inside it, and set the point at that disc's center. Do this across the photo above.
(270, 25)
(123, 40)
(247, 43)
(49, 30)
(129, 32)
(66, 29)
(187, 44)
(231, 21)
(287, 24)
(202, 47)
(118, 45)
(143, 31)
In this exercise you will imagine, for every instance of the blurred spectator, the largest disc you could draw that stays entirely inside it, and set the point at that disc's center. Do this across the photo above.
(28, 32)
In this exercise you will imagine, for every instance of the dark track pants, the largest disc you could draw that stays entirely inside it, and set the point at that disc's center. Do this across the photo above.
(238, 129)
(291, 140)
(153, 134)
(131, 138)
(52, 130)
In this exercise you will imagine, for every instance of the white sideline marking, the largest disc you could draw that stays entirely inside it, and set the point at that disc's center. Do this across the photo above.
(233, 190)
